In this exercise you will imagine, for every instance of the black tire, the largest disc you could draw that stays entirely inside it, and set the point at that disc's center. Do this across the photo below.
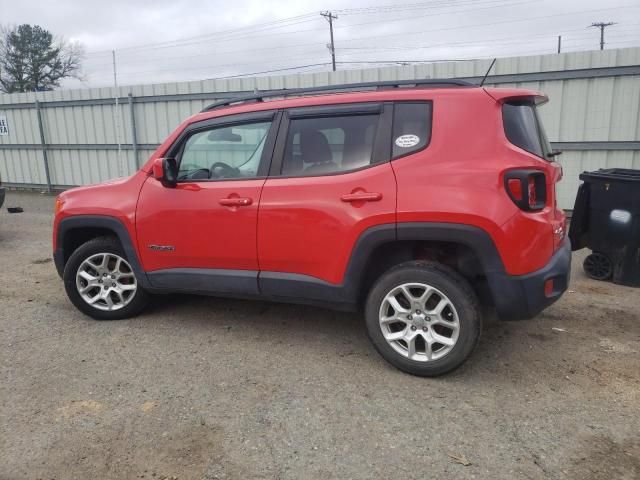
(92, 247)
(598, 266)
(461, 296)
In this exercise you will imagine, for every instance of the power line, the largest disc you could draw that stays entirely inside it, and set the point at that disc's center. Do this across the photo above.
(525, 19)
(502, 40)
(210, 66)
(218, 52)
(569, 33)
(490, 43)
(534, 51)
(285, 22)
(236, 65)
(488, 5)
(271, 71)
(234, 34)
(406, 7)
(567, 39)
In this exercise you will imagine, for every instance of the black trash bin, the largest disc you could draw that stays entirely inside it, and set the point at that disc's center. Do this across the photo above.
(606, 219)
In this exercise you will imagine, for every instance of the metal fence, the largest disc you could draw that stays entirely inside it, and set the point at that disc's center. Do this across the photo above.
(58, 139)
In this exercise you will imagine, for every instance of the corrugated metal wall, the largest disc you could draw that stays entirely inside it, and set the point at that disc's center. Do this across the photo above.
(593, 115)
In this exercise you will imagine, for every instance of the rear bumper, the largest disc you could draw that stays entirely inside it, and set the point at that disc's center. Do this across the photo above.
(520, 297)
(2, 194)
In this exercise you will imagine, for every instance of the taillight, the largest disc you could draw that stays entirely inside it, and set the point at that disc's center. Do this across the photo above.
(515, 188)
(527, 188)
(532, 192)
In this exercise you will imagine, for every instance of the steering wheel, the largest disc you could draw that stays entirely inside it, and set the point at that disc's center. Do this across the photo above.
(222, 170)
(199, 174)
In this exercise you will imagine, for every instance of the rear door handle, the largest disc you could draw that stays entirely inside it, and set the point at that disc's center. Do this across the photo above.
(236, 202)
(361, 197)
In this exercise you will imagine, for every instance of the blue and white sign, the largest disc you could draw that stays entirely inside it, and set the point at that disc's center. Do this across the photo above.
(4, 126)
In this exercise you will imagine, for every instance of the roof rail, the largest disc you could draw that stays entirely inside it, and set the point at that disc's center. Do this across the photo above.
(260, 96)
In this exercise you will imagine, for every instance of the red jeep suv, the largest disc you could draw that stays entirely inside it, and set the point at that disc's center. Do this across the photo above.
(416, 201)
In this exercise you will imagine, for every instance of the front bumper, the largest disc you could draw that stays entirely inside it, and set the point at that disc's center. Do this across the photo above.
(2, 194)
(520, 297)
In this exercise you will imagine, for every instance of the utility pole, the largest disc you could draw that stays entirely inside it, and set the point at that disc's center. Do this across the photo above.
(559, 43)
(331, 17)
(116, 115)
(601, 26)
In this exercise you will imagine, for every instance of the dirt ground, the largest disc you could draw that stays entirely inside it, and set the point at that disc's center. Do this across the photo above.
(205, 388)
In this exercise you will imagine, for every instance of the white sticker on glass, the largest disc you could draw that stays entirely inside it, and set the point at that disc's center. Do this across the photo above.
(406, 141)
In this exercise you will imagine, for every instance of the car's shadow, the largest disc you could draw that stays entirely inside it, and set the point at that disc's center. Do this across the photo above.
(299, 324)
(243, 313)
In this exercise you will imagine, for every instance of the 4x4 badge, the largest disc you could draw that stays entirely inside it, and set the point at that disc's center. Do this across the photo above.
(162, 248)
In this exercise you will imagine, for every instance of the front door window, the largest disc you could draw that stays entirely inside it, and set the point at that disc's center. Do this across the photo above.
(228, 152)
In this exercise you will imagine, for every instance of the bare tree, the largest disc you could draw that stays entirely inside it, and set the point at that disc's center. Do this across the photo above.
(32, 60)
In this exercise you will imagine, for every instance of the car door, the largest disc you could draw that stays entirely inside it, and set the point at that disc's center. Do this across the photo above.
(201, 235)
(330, 180)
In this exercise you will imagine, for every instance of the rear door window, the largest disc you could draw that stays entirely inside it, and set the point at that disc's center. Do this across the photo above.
(523, 128)
(327, 145)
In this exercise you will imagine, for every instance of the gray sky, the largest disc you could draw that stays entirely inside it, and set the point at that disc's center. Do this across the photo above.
(172, 40)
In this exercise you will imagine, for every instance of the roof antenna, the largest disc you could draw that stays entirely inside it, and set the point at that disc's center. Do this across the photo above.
(487, 74)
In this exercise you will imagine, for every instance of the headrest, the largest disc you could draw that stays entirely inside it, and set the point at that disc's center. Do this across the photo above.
(314, 147)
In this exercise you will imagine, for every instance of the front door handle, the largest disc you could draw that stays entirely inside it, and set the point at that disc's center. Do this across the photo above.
(236, 202)
(361, 197)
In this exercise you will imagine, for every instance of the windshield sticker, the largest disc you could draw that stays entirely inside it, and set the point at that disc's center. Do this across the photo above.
(406, 141)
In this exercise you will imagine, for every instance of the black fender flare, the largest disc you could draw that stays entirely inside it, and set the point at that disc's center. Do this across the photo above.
(112, 224)
(477, 239)
(297, 287)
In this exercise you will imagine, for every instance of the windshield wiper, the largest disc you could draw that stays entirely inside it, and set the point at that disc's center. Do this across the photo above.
(553, 154)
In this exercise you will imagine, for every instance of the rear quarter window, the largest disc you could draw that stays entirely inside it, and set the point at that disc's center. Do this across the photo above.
(411, 127)
(522, 128)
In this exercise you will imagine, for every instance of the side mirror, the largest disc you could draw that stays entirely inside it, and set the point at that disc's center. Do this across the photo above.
(166, 171)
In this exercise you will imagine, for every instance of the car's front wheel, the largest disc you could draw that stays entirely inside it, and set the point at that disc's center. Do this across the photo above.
(423, 317)
(100, 282)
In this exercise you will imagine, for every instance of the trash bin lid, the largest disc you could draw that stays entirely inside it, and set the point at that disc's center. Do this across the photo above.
(622, 174)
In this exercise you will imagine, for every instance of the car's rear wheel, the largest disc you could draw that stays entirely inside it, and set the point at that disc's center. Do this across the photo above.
(100, 281)
(423, 318)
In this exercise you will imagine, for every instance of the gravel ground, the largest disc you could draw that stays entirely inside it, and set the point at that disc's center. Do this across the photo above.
(205, 388)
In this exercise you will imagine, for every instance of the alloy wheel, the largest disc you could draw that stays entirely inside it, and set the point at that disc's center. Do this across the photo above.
(419, 322)
(106, 281)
